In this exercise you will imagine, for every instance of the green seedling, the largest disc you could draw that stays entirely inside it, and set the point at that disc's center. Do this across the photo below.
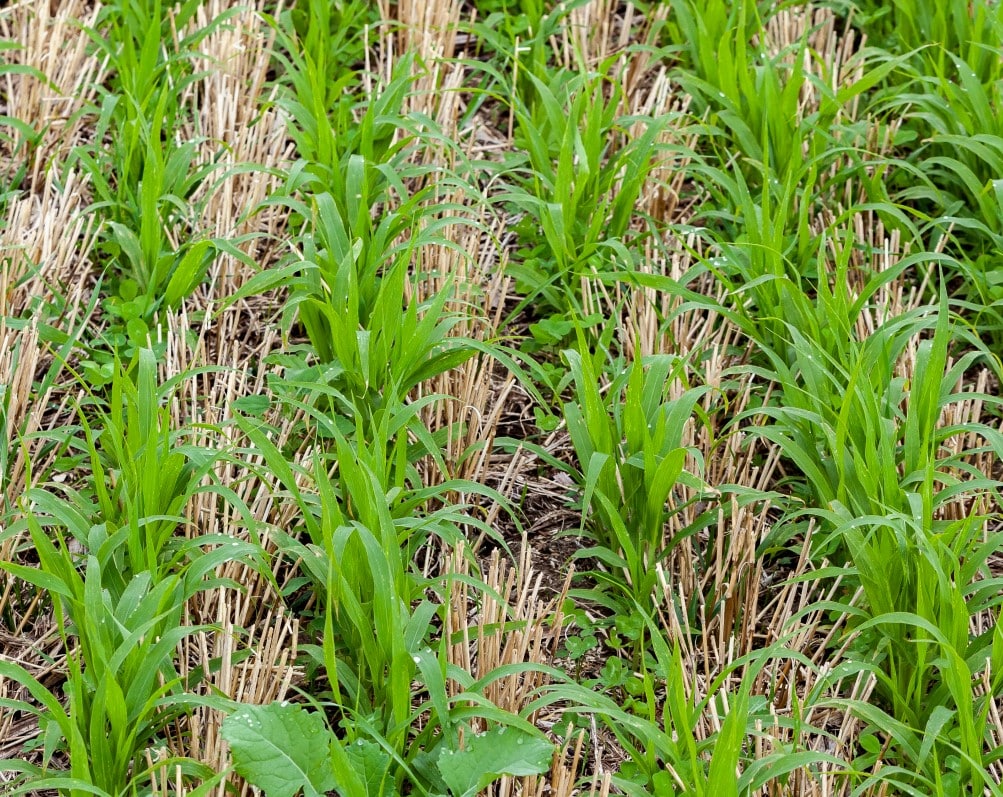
(583, 177)
(628, 443)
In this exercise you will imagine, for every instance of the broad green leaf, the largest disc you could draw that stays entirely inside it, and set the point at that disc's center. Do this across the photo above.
(488, 756)
(252, 405)
(371, 762)
(281, 749)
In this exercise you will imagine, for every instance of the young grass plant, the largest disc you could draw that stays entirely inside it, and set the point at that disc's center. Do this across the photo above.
(927, 662)
(319, 41)
(583, 178)
(358, 576)
(933, 32)
(143, 211)
(119, 578)
(772, 112)
(143, 476)
(954, 177)
(145, 180)
(944, 98)
(740, 82)
(841, 419)
(518, 35)
(363, 536)
(356, 200)
(697, 737)
(629, 446)
(122, 687)
(868, 444)
(763, 263)
(359, 312)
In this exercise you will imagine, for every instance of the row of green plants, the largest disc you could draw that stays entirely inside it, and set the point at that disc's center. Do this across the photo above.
(118, 559)
(865, 442)
(859, 419)
(392, 713)
(105, 526)
(149, 174)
